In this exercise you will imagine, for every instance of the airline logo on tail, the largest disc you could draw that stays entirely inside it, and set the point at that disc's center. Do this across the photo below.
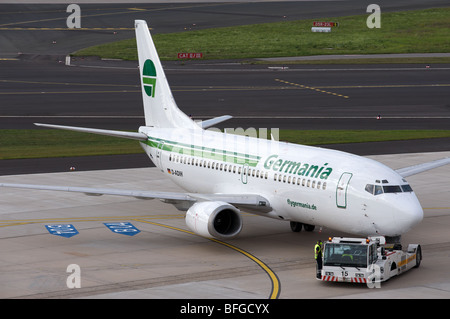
(149, 78)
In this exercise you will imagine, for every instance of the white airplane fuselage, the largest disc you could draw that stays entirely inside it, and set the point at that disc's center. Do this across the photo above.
(304, 184)
(225, 173)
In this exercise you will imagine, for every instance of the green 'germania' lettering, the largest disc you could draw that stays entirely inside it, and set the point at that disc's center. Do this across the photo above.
(310, 170)
(269, 161)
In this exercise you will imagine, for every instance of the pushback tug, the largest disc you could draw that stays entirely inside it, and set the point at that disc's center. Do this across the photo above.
(366, 260)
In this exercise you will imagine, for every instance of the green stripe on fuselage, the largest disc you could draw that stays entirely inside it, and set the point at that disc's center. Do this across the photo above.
(203, 152)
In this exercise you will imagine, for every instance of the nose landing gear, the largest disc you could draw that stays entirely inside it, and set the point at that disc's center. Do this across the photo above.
(297, 227)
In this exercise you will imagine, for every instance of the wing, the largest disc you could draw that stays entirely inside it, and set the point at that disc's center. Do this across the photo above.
(178, 199)
(416, 169)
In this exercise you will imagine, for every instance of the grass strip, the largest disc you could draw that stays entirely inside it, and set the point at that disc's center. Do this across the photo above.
(424, 31)
(16, 144)
(21, 144)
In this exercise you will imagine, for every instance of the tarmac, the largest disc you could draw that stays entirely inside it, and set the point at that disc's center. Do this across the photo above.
(166, 261)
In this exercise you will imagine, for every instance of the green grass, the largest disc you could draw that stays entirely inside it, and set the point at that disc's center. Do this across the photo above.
(57, 143)
(418, 31)
(16, 144)
(357, 136)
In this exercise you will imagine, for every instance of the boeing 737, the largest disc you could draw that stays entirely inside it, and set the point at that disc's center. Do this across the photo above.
(226, 173)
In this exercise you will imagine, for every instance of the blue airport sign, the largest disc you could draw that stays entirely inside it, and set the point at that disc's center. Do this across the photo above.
(63, 230)
(123, 228)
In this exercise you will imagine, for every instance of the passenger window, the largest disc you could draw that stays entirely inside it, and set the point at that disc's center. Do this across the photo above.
(267, 175)
(324, 186)
(318, 185)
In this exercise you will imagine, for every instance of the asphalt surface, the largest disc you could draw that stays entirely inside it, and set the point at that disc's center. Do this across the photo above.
(313, 97)
(101, 94)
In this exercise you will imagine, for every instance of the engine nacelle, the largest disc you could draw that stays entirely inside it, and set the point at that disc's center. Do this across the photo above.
(214, 219)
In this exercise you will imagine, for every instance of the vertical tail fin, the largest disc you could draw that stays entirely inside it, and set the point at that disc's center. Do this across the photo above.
(160, 109)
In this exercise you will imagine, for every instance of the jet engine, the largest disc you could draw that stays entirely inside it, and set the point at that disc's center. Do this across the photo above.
(214, 219)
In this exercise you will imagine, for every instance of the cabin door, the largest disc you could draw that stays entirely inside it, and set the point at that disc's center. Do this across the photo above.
(341, 190)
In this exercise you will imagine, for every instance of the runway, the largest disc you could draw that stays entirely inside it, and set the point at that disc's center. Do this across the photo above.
(307, 98)
(406, 97)
(166, 261)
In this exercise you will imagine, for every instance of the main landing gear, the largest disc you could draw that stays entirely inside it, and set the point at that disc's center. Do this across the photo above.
(296, 227)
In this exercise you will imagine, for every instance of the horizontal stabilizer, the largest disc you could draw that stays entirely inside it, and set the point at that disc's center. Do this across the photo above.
(129, 135)
(214, 121)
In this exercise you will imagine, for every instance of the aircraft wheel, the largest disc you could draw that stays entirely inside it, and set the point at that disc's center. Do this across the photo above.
(309, 227)
(296, 227)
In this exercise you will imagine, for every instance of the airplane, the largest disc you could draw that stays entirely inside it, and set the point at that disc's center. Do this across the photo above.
(224, 174)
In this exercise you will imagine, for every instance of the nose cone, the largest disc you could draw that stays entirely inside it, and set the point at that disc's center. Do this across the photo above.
(408, 214)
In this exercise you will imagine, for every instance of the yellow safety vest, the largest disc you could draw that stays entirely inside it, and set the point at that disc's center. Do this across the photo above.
(317, 251)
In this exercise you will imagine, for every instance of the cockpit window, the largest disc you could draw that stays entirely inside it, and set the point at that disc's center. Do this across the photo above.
(378, 189)
(369, 188)
(392, 189)
(406, 188)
